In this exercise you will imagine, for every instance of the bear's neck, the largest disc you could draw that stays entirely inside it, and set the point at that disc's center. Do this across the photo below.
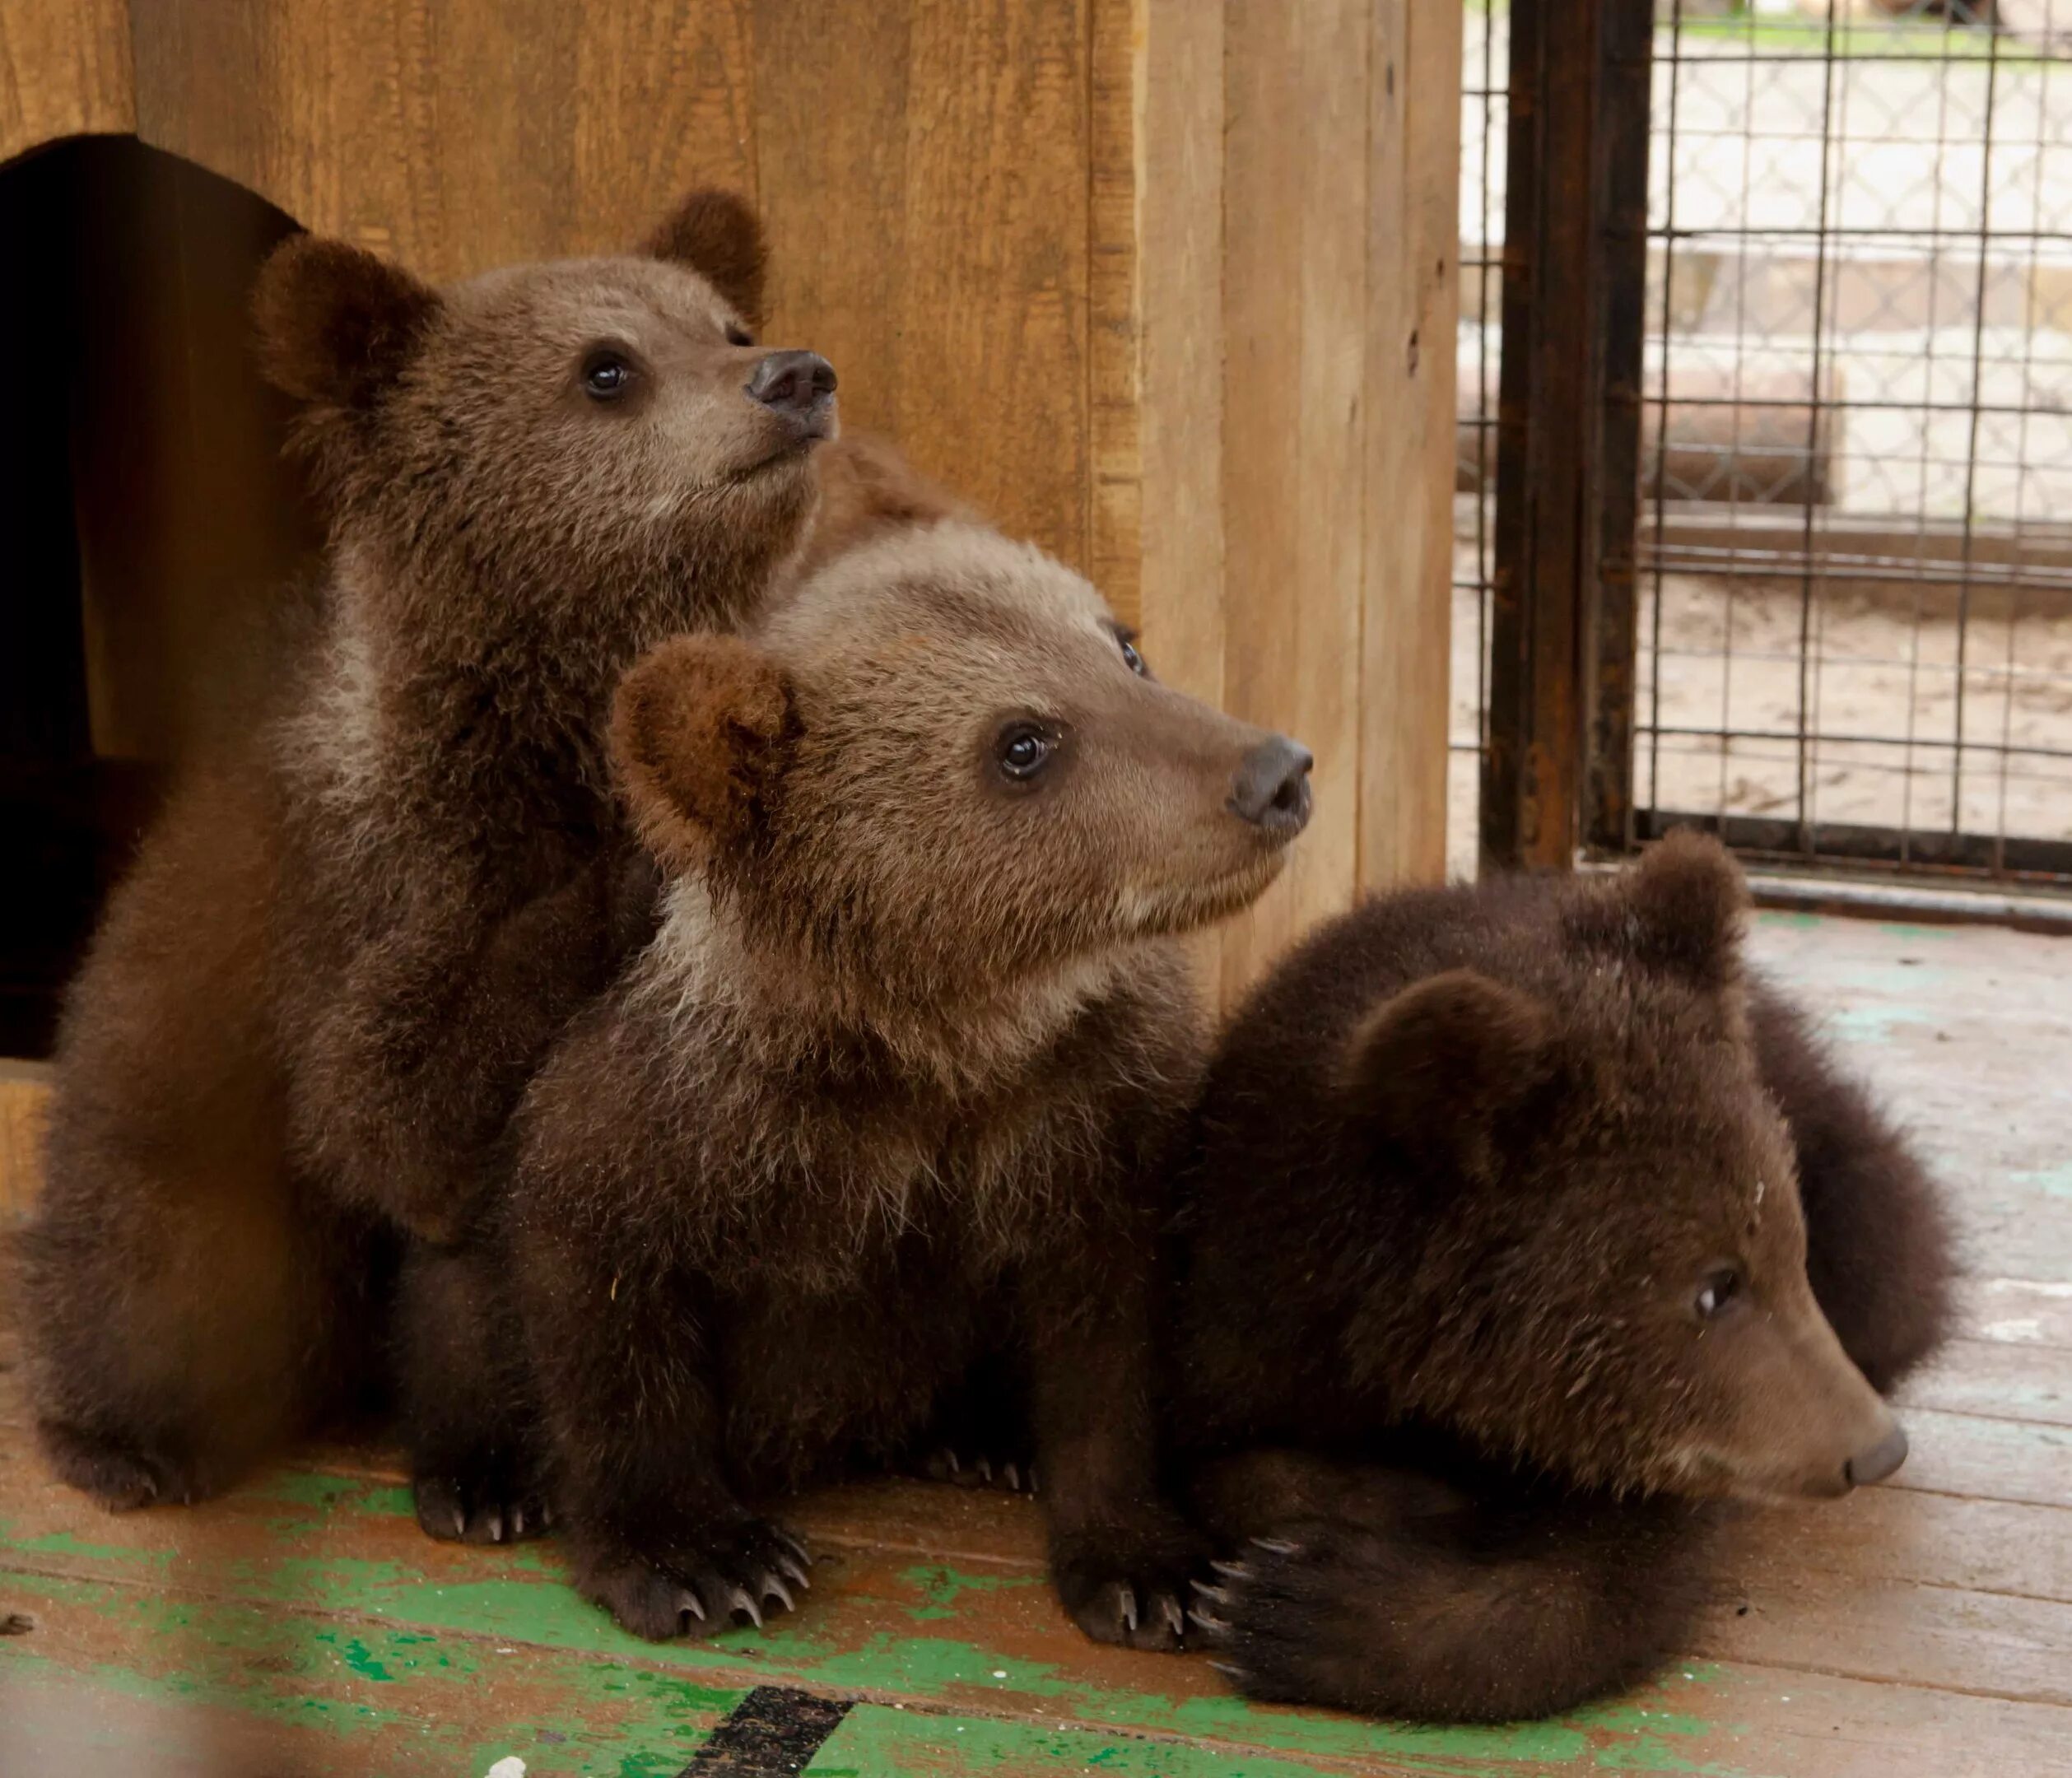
(443, 693)
(774, 1013)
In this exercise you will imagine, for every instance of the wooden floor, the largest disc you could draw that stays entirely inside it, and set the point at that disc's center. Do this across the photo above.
(304, 1626)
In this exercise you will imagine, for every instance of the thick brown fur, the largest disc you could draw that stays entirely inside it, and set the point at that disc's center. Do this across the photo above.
(348, 940)
(1450, 1336)
(894, 1091)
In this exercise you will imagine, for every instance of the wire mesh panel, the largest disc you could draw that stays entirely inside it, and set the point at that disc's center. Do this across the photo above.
(1855, 616)
(1484, 119)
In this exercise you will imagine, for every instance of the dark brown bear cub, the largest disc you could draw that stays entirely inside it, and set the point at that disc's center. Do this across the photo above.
(345, 944)
(1514, 1215)
(895, 1089)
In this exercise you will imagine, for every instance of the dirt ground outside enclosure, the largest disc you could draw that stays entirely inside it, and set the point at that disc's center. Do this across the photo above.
(1874, 212)
(1884, 662)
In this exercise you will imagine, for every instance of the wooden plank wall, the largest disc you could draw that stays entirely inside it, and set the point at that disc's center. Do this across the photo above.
(24, 1096)
(64, 71)
(923, 169)
(1167, 285)
(1297, 202)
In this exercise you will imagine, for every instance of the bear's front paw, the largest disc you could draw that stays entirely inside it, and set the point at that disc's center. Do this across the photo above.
(1125, 1584)
(698, 1584)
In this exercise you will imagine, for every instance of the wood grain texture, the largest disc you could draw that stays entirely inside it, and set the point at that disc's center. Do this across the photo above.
(1115, 274)
(1413, 295)
(833, 190)
(1295, 284)
(64, 71)
(1295, 255)
(215, 1690)
(666, 98)
(311, 1584)
(1175, 374)
(923, 173)
(1178, 107)
(991, 377)
(457, 136)
(25, 1089)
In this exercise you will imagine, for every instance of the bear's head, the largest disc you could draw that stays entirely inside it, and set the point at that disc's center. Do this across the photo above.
(1606, 1261)
(939, 771)
(593, 451)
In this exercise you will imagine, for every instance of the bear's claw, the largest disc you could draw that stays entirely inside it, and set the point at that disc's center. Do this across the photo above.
(943, 1465)
(492, 1509)
(733, 1571)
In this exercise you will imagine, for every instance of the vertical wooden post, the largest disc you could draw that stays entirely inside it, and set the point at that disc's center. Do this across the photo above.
(1568, 426)
(1178, 248)
(1413, 236)
(1297, 217)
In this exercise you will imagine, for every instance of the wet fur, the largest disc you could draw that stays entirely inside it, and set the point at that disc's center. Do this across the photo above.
(1455, 1540)
(348, 938)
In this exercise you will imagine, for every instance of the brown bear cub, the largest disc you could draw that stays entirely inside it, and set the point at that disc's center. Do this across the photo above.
(1523, 1229)
(894, 1092)
(349, 939)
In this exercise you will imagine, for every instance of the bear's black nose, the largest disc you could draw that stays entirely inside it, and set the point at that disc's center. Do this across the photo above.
(1272, 787)
(1879, 1461)
(798, 385)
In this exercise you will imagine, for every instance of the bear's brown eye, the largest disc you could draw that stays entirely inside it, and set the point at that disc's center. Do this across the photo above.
(1719, 1289)
(740, 336)
(1023, 751)
(606, 375)
(1130, 658)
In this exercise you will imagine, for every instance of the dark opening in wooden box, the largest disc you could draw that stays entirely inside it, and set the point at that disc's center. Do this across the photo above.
(152, 524)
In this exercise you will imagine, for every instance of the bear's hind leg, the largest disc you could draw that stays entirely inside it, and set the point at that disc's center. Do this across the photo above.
(182, 1317)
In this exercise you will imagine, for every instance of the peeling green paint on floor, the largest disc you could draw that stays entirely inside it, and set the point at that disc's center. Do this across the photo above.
(875, 1740)
(427, 1691)
(386, 1630)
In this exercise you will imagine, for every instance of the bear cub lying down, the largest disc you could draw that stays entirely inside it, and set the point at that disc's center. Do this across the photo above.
(1525, 1227)
(895, 1089)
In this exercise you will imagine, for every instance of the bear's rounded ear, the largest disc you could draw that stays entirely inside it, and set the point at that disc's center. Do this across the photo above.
(1680, 909)
(716, 234)
(702, 728)
(1431, 1068)
(336, 324)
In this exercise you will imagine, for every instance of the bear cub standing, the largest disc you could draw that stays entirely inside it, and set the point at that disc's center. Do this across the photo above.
(348, 939)
(894, 1091)
(1524, 1228)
